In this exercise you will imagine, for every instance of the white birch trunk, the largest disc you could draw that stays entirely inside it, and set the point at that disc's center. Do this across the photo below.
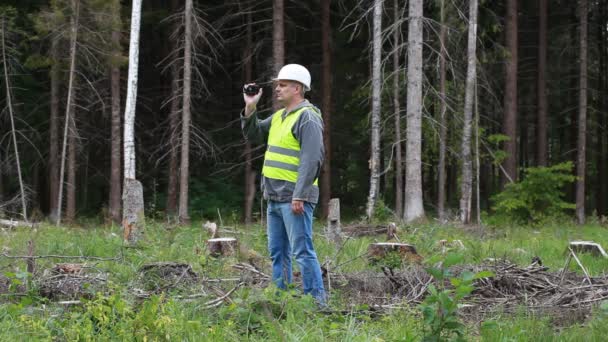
(185, 150)
(467, 164)
(68, 106)
(133, 203)
(414, 209)
(9, 104)
(129, 135)
(376, 93)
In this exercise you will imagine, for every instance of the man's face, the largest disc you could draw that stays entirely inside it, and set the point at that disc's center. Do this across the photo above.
(285, 91)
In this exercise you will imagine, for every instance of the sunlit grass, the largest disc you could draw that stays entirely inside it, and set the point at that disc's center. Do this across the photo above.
(242, 319)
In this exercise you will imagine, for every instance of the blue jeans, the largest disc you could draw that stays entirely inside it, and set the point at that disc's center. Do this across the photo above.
(290, 234)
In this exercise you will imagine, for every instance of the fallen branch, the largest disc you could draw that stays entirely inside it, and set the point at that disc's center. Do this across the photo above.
(250, 268)
(581, 265)
(220, 280)
(561, 277)
(218, 301)
(14, 224)
(192, 296)
(86, 257)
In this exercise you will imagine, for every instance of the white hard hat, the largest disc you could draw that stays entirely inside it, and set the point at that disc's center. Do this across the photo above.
(295, 72)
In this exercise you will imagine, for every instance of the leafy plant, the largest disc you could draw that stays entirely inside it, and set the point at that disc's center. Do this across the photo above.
(495, 141)
(382, 212)
(440, 307)
(538, 196)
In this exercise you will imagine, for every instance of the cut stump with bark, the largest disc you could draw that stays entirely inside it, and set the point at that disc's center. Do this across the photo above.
(222, 246)
(333, 229)
(588, 247)
(381, 250)
(133, 211)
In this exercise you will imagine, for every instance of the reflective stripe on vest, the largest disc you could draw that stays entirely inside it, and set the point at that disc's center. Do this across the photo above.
(282, 157)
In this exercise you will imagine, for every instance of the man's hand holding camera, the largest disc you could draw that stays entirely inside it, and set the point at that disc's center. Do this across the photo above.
(251, 94)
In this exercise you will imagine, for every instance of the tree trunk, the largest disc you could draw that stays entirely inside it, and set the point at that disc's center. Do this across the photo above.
(69, 103)
(477, 158)
(397, 112)
(572, 95)
(1, 175)
(184, 218)
(54, 131)
(70, 194)
(174, 120)
(133, 201)
(1, 182)
(133, 211)
(115, 167)
(582, 116)
(376, 107)
(601, 190)
(249, 173)
(278, 41)
(510, 99)
(542, 120)
(467, 168)
(443, 129)
(413, 183)
(326, 105)
(9, 105)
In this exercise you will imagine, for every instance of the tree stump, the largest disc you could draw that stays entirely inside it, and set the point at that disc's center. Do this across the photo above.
(381, 250)
(222, 246)
(588, 247)
(133, 218)
(333, 230)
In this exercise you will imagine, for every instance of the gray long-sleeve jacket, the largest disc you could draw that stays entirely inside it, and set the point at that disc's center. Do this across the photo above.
(308, 130)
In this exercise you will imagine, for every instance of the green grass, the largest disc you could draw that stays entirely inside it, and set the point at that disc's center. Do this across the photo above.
(266, 314)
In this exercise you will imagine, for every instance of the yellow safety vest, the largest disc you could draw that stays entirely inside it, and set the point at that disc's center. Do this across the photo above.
(282, 157)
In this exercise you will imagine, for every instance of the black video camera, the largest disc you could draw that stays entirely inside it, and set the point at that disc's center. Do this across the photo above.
(251, 89)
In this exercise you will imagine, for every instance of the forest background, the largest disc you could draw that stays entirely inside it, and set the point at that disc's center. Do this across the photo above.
(536, 103)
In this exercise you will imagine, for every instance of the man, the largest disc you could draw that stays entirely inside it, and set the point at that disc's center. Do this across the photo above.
(291, 167)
